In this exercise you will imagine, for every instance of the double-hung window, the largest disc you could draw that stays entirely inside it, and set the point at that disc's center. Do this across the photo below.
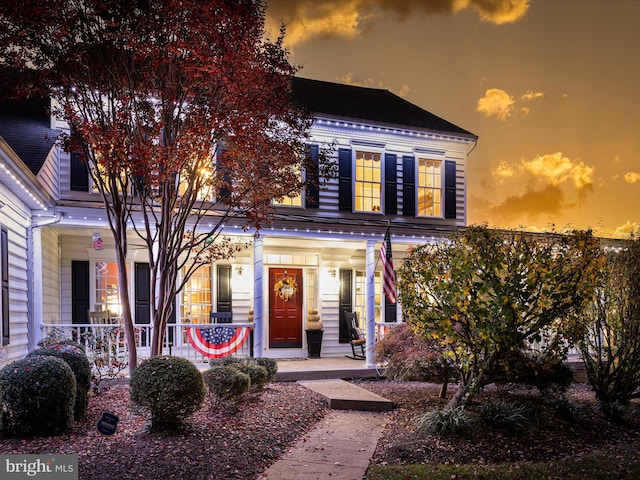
(429, 188)
(368, 181)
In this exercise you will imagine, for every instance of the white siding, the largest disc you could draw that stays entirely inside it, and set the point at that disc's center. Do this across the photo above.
(50, 277)
(14, 216)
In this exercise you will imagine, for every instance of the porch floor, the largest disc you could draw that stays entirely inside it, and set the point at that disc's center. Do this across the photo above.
(292, 370)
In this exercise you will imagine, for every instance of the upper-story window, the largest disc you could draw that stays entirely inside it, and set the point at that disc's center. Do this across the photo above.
(368, 181)
(292, 200)
(429, 188)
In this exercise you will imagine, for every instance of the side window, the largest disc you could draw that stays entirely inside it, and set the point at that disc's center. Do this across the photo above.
(195, 298)
(4, 276)
(107, 291)
(429, 186)
(368, 182)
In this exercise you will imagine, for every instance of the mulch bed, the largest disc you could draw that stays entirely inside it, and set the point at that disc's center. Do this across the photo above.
(240, 443)
(553, 437)
(237, 443)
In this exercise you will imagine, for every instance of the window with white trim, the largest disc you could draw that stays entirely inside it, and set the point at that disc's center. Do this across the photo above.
(368, 182)
(195, 297)
(429, 186)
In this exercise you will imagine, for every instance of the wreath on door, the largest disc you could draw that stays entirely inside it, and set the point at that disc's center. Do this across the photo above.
(286, 288)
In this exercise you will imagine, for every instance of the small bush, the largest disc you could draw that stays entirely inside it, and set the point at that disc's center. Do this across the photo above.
(38, 396)
(77, 360)
(613, 410)
(257, 374)
(270, 364)
(507, 416)
(55, 338)
(170, 388)
(566, 409)
(411, 357)
(449, 421)
(226, 383)
(224, 361)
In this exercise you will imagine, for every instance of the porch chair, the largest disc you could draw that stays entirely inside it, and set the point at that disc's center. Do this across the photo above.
(101, 319)
(358, 341)
(220, 317)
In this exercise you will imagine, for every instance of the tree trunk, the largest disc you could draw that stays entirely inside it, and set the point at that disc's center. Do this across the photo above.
(125, 302)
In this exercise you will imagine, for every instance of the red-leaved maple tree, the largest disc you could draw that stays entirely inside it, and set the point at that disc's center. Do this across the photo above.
(182, 111)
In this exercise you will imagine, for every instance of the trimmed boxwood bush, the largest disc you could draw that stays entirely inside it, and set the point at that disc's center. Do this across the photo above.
(79, 363)
(224, 361)
(226, 383)
(270, 364)
(170, 388)
(38, 396)
(257, 374)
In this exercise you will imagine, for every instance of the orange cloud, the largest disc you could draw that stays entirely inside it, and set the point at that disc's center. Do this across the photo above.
(558, 169)
(531, 95)
(496, 103)
(348, 78)
(308, 19)
(627, 230)
(532, 204)
(500, 104)
(632, 177)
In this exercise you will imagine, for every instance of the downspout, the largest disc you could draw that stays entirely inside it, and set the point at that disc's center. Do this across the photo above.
(34, 333)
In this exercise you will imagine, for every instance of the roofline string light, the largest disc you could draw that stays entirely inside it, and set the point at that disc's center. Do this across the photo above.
(397, 131)
(22, 186)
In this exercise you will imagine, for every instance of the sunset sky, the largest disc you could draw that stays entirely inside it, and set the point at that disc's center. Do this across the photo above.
(551, 87)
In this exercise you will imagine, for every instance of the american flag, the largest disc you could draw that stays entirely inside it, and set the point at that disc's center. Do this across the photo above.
(217, 342)
(388, 274)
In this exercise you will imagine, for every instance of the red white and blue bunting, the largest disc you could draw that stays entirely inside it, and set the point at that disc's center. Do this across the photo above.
(217, 342)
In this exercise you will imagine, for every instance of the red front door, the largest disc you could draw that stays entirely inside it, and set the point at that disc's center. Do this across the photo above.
(285, 308)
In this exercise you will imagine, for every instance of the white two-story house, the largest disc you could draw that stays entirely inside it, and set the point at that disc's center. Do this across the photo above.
(398, 165)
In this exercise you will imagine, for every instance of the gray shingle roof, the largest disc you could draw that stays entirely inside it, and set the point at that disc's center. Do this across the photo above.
(367, 104)
(25, 127)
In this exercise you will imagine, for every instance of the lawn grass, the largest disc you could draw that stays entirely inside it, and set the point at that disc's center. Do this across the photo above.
(589, 467)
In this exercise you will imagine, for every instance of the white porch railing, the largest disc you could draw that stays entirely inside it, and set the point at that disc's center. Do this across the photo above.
(181, 339)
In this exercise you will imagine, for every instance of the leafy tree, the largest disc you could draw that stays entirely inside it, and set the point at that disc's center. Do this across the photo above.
(487, 294)
(182, 110)
(610, 341)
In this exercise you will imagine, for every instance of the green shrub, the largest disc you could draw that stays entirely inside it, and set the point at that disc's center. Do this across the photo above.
(56, 337)
(38, 396)
(77, 360)
(566, 409)
(226, 383)
(257, 374)
(270, 364)
(614, 410)
(444, 422)
(170, 388)
(410, 357)
(507, 416)
(224, 361)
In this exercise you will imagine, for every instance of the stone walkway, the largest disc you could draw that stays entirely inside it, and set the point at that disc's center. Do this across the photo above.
(342, 444)
(339, 448)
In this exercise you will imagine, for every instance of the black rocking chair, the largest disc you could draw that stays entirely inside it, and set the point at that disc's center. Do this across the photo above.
(358, 341)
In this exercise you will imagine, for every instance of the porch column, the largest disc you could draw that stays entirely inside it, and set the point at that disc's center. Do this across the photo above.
(258, 304)
(371, 301)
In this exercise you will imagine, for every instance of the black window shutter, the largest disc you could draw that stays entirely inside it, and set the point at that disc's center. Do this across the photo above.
(142, 297)
(4, 261)
(224, 171)
(449, 189)
(408, 186)
(390, 311)
(313, 192)
(345, 301)
(79, 173)
(345, 186)
(79, 291)
(223, 303)
(390, 184)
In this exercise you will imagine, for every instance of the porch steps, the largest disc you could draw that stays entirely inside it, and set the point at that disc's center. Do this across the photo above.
(341, 395)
